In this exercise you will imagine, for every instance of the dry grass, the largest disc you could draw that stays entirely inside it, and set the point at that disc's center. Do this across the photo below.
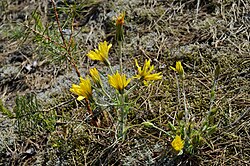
(216, 33)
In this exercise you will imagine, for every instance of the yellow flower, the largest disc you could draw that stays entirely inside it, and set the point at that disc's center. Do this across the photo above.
(178, 68)
(120, 19)
(177, 143)
(83, 90)
(100, 54)
(95, 76)
(145, 72)
(118, 81)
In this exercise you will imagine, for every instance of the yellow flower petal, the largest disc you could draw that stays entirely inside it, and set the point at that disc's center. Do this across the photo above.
(95, 76)
(83, 90)
(95, 55)
(145, 72)
(178, 68)
(173, 68)
(100, 54)
(156, 76)
(79, 98)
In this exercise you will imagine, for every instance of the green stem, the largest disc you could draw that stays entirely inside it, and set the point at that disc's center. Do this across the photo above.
(212, 96)
(132, 88)
(178, 88)
(186, 110)
(179, 99)
(110, 68)
(120, 54)
(102, 91)
(123, 118)
(105, 93)
(161, 130)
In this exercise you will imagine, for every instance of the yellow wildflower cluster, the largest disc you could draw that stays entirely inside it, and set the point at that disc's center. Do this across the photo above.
(117, 80)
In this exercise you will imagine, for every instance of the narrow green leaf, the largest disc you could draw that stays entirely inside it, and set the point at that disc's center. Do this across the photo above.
(217, 72)
(5, 111)
(211, 130)
(171, 126)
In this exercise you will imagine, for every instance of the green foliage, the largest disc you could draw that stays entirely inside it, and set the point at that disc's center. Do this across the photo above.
(14, 32)
(5, 111)
(38, 22)
(30, 120)
(48, 38)
(194, 133)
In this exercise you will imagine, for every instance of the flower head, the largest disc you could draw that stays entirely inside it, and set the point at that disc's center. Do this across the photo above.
(95, 76)
(145, 72)
(120, 19)
(177, 143)
(119, 27)
(118, 81)
(83, 90)
(178, 68)
(100, 54)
